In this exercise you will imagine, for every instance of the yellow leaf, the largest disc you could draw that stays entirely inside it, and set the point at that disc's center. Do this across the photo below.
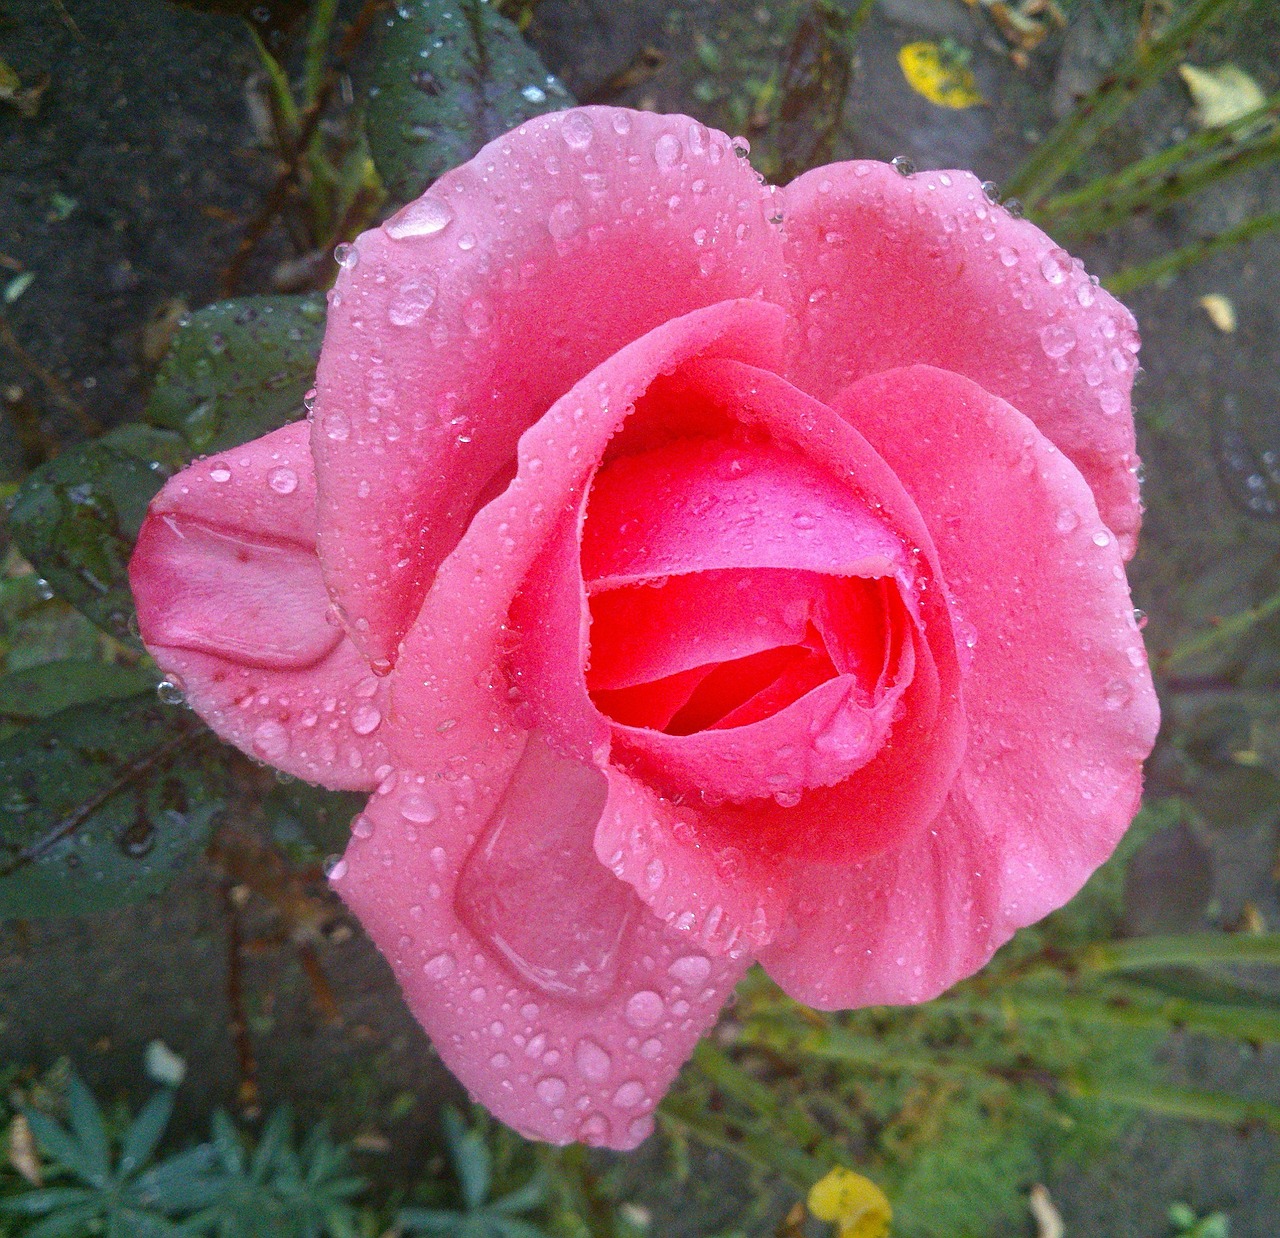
(1220, 310)
(1221, 94)
(857, 1206)
(937, 77)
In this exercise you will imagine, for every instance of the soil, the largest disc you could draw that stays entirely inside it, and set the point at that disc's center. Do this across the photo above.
(143, 129)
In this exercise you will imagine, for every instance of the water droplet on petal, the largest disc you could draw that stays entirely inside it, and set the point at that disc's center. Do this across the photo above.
(1057, 339)
(365, 719)
(439, 967)
(345, 256)
(644, 1009)
(629, 1095)
(577, 131)
(691, 969)
(902, 165)
(425, 217)
(335, 868)
(667, 151)
(565, 220)
(1055, 266)
(419, 808)
(170, 692)
(551, 1090)
(219, 472)
(1068, 520)
(414, 297)
(1102, 538)
(270, 741)
(362, 827)
(283, 480)
(592, 1061)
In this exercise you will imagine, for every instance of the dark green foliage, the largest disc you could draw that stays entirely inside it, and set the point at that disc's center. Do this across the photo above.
(76, 519)
(479, 1216)
(311, 822)
(121, 1195)
(102, 804)
(237, 370)
(446, 77)
(277, 1190)
(40, 691)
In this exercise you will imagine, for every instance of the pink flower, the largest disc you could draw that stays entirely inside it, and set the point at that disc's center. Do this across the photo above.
(694, 572)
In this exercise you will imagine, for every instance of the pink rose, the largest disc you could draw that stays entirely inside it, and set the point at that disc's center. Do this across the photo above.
(694, 572)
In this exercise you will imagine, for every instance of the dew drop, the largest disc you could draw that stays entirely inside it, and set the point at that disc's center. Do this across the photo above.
(644, 1009)
(903, 165)
(577, 131)
(414, 297)
(1110, 401)
(335, 868)
(1102, 538)
(425, 217)
(362, 827)
(534, 94)
(219, 472)
(691, 969)
(170, 692)
(629, 1095)
(667, 151)
(365, 719)
(551, 1090)
(595, 1126)
(283, 480)
(1068, 520)
(270, 741)
(345, 256)
(564, 220)
(1057, 339)
(439, 967)
(1008, 256)
(592, 1061)
(991, 191)
(1055, 266)
(1116, 694)
(419, 808)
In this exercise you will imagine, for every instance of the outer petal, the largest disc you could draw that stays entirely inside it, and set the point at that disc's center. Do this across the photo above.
(893, 270)
(231, 603)
(562, 1004)
(1060, 704)
(468, 314)
(551, 991)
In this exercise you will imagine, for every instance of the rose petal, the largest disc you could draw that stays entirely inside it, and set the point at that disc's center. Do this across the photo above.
(568, 1034)
(231, 603)
(555, 246)
(894, 270)
(1059, 697)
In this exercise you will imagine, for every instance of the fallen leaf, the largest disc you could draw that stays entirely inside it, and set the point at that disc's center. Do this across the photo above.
(1220, 310)
(858, 1207)
(1048, 1219)
(939, 78)
(1221, 94)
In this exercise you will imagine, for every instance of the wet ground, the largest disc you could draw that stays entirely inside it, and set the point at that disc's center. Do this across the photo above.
(127, 191)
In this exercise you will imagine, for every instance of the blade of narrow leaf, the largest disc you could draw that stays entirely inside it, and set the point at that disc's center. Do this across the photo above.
(37, 1203)
(74, 1222)
(471, 1161)
(1128, 279)
(427, 1220)
(1068, 143)
(182, 1181)
(145, 1131)
(1187, 1103)
(523, 1198)
(1190, 949)
(446, 77)
(55, 1142)
(88, 1127)
(75, 520)
(238, 369)
(103, 804)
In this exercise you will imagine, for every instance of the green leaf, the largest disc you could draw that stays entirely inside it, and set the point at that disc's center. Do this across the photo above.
(446, 77)
(1190, 949)
(102, 804)
(237, 370)
(88, 1127)
(58, 1144)
(72, 1223)
(311, 822)
(471, 1160)
(76, 519)
(145, 1131)
(39, 691)
(37, 1203)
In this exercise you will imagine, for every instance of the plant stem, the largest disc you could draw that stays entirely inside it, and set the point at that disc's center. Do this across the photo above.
(1231, 627)
(1125, 281)
(1190, 949)
(1063, 149)
(1182, 1102)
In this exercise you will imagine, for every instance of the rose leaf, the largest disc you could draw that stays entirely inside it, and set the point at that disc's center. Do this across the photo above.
(102, 804)
(237, 370)
(446, 77)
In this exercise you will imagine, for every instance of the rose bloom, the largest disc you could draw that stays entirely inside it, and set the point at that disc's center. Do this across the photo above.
(694, 573)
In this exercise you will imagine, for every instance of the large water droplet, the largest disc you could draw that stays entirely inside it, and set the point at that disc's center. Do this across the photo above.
(419, 808)
(577, 131)
(414, 297)
(564, 220)
(592, 1061)
(425, 217)
(644, 1009)
(691, 969)
(1057, 339)
(362, 827)
(440, 966)
(170, 693)
(551, 1090)
(283, 480)
(902, 165)
(667, 151)
(365, 719)
(270, 741)
(1055, 266)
